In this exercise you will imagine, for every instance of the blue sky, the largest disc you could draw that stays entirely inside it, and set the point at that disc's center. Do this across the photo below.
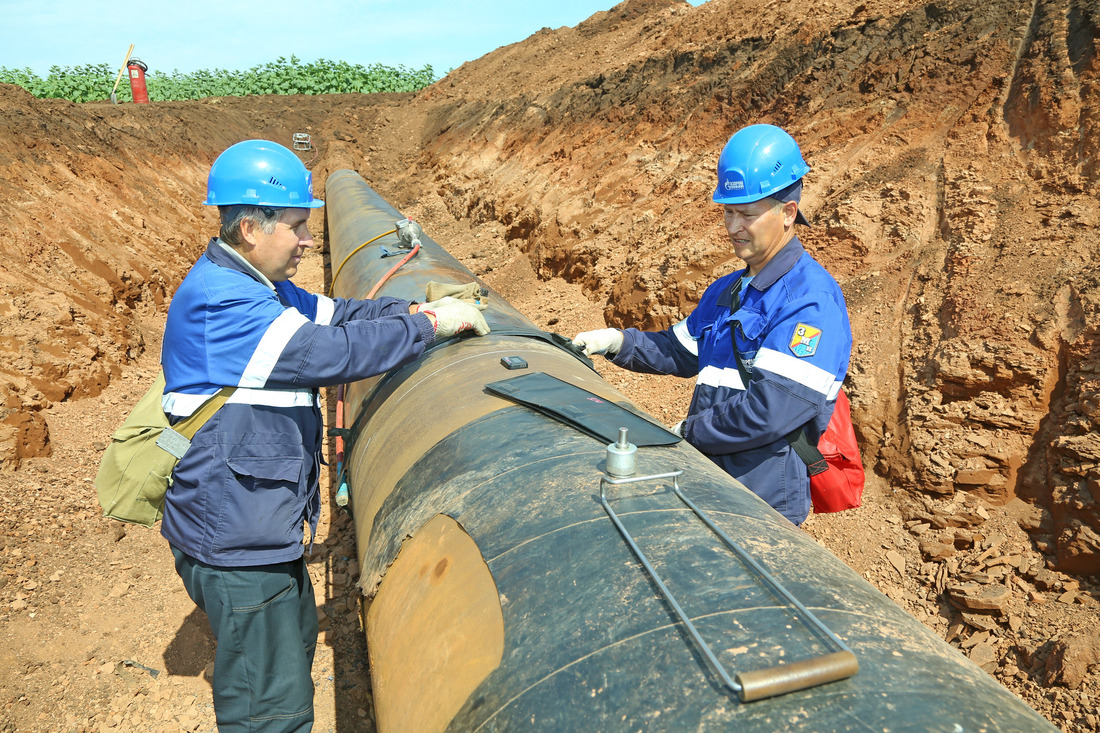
(207, 34)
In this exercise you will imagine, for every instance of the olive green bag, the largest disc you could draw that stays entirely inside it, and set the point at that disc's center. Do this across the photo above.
(136, 469)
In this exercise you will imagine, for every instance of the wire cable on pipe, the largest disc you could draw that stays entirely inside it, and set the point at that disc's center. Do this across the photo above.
(342, 484)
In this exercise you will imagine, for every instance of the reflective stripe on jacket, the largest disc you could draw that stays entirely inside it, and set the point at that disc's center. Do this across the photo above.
(792, 331)
(241, 493)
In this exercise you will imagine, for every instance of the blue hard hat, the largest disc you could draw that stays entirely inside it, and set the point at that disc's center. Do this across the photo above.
(757, 162)
(260, 173)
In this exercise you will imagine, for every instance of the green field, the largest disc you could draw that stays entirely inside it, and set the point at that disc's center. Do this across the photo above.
(93, 82)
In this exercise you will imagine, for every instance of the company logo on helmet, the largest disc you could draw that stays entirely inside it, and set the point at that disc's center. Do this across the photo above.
(276, 182)
(734, 185)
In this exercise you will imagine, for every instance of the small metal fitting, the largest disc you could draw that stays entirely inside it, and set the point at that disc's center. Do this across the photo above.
(622, 456)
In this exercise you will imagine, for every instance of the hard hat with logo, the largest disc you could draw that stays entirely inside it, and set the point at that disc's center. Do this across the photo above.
(759, 161)
(260, 173)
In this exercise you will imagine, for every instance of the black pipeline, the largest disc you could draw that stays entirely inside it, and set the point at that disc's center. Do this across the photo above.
(502, 596)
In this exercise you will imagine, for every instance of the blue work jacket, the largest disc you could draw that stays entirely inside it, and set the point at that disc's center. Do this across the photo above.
(243, 491)
(790, 326)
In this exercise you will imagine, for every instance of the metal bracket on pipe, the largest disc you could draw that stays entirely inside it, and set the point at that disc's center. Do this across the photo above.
(758, 684)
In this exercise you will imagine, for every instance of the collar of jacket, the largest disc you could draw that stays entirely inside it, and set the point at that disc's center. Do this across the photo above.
(777, 267)
(223, 255)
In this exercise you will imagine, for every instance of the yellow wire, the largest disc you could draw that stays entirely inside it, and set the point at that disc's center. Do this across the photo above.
(332, 287)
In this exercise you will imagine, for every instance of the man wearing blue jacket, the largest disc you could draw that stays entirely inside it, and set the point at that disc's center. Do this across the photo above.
(248, 484)
(781, 321)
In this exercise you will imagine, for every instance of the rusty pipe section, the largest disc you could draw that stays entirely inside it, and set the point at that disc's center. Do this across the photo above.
(410, 410)
(501, 597)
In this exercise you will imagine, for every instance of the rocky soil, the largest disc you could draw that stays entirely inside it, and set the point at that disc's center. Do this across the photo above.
(954, 154)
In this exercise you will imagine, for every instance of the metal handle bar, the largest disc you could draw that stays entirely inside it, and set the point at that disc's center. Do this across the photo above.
(756, 684)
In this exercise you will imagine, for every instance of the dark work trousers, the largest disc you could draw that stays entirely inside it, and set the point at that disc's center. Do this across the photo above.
(264, 619)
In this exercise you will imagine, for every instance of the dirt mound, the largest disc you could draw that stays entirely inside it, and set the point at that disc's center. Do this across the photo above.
(952, 147)
(104, 223)
(954, 155)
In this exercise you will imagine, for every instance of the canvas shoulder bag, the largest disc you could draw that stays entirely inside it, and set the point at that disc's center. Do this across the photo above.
(136, 469)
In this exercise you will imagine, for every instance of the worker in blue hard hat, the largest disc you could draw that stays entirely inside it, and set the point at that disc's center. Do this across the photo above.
(247, 486)
(769, 344)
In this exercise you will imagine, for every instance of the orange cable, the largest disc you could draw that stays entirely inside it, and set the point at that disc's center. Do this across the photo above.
(340, 388)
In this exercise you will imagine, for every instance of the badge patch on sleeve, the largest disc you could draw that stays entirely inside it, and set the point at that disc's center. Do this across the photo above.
(804, 341)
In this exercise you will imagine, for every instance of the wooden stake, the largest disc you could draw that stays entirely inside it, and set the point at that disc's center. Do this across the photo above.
(122, 68)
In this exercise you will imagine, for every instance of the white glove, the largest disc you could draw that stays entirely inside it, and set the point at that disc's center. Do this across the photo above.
(481, 304)
(452, 316)
(678, 429)
(605, 341)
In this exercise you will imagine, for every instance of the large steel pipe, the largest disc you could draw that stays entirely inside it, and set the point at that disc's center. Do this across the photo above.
(503, 596)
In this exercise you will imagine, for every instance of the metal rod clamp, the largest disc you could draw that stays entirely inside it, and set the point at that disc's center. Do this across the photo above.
(757, 684)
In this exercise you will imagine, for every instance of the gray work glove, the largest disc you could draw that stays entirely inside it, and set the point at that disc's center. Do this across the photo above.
(452, 316)
(678, 429)
(471, 293)
(604, 341)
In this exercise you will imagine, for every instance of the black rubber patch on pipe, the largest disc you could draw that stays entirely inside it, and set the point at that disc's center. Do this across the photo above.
(581, 409)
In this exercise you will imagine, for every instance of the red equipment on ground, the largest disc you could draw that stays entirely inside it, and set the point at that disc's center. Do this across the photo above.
(137, 68)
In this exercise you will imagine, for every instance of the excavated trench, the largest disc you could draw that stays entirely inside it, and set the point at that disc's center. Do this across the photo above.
(953, 147)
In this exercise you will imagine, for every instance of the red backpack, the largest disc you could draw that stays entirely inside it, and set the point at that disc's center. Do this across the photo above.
(834, 464)
(838, 484)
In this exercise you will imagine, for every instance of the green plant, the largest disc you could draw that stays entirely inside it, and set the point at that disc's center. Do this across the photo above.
(93, 82)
